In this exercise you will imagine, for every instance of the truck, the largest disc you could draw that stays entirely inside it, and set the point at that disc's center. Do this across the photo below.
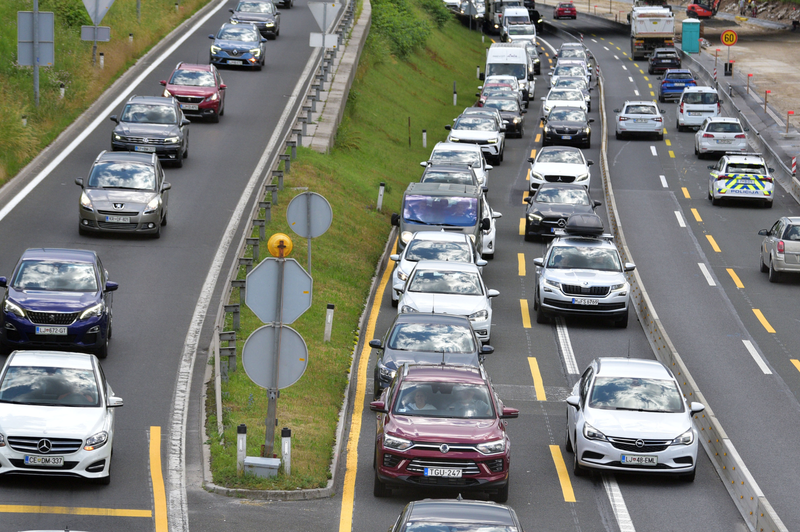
(493, 16)
(702, 9)
(651, 28)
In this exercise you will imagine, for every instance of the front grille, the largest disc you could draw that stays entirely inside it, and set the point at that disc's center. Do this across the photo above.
(568, 305)
(451, 448)
(144, 140)
(189, 99)
(118, 213)
(49, 340)
(58, 318)
(566, 131)
(629, 444)
(467, 467)
(28, 444)
(559, 178)
(390, 460)
(118, 227)
(480, 142)
(495, 466)
(577, 290)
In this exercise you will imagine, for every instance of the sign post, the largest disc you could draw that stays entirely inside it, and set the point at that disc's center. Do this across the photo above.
(97, 9)
(35, 31)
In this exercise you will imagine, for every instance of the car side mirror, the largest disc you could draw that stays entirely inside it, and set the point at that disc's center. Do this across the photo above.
(523, 111)
(478, 94)
(486, 224)
(497, 215)
(591, 120)
(589, 89)
(485, 190)
(492, 293)
(79, 181)
(543, 98)
(263, 39)
(163, 82)
(617, 110)
(574, 400)
(448, 127)
(230, 10)
(222, 86)
(114, 402)
(763, 232)
(509, 413)
(629, 266)
(423, 164)
(185, 122)
(589, 162)
(114, 118)
(395, 219)
(488, 167)
(481, 263)
(659, 78)
(661, 111)
(166, 186)
(277, 13)
(528, 199)
(111, 286)
(375, 344)
(747, 129)
(538, 261)
(211, 36)
(531, 160)
(378, 406)
(480, 87)
(712, 167)
(487, 350)
(394, 257)
(770, 170)
(598, 203)
(3, 282)
(696, 408)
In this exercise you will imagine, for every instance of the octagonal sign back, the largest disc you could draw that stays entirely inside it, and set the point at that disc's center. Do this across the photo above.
(262, 297)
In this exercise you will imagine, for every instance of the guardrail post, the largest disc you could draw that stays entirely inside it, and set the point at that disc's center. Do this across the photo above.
(262, 226)
(230, 350)
(272, 190)
(234, 310)
(241, 285)
(247, 263)
(303, 123)
(253, 242)
(293, 145)
(230, 367)
(299, 133)
(286, 162)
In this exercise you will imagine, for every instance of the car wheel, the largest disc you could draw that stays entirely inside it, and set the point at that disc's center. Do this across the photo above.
(619, 135)
(567, 441)
(622, 321)
(502, 494)
(179, 162)
(102, 351)
(768, 204)
(502, 154)
(104, 481)
(661, 99)
(588, 143)
(157, 234)
(678, 125)
(589, 108)
(487, 256)
(577, 470)
(222, 110)
(689, 477)
(541, 317)
(696, 151)
(82, 231)
(395, 302)
(660, 136)
(716, 201)
(164, 220)
(761, 265)
(277, 32)
(528, 238)
(214, 119)
(773, 274)
(521, 131)
(379, 489)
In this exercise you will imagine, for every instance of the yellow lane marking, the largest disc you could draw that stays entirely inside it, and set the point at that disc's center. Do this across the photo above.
(647, 79)
(537, 139)
(522, 227)
(546, 54)
(538, 383)
(735, 278)
(649, 85)
(563, 476)
(525, 194)
(763, 320)
(528, 175)
(669, 143)
(593, 35)
(611, 43)
(623, 53)
(652, 93)
(602, 38)
(521, 264)
(641, 71)
(671, 154)
(541, 124)
(665, 132)
(796, 363)
(686, 193)
(66, 510)
(492, 40)
(696, 215)
(349, 488)
(551, 61)
(635, 64)
(538, 136)
(713, 243)
(157, 479)
(618, 48)
(526, 315)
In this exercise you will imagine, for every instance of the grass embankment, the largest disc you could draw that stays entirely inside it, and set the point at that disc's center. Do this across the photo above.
(72, 67)
(394, 81)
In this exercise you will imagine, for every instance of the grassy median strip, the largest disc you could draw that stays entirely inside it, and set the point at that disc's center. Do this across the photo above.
(83, 83)
(372, 147)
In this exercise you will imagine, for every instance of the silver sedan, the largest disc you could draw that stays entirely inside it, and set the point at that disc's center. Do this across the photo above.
(780, 249)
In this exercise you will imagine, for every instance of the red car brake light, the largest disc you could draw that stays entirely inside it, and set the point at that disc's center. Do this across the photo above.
(781, 246)
(708, 136)
(681, 110)
(623, 118)
(658, 119)
(742, 136)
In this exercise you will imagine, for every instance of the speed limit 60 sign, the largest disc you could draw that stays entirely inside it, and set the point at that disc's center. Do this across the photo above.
(729, 37)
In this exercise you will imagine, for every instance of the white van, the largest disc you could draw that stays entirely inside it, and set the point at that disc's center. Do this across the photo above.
(508, 59)
(695, 105)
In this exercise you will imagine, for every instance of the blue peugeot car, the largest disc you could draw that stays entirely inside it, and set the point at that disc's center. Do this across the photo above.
(57, 299)
(673, 82)
(238, 45)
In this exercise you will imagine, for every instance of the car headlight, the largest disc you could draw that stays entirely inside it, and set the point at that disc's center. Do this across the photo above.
(687, 438)
(386, 371)
(492, 447)
(172, 140)
(403, 276)
(398, 444)
(582, 177)
(492, 141)
(215, 49)
(270, 24)
(537, 175)
(256, 51)
(117, 137)
(213, 98)
(453, 139)
(96, 441)
(234, 21)
(166, 94)
(406, 309)
(547, 129)
(591, 433)
(86, 203)
(616, 287)
(13, 308)
(2, 441)
(554, 284)
(405, 236)
(517, 120)
(153, 205)
(93, 311)
(479, 316)
(587, 130)
(534, 218)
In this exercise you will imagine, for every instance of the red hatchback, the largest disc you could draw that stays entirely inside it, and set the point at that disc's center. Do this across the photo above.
(565, 10)
(441, 426)
(199, 90)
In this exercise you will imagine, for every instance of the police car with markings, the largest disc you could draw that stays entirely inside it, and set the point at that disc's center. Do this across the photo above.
(744, 176)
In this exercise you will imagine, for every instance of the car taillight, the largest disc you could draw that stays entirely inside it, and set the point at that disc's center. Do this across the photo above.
(623, 118)
(742, 136)
(766, 178)
(658, 119)
(781, 247)
(719, 108)
(681, 110)
(708, 136)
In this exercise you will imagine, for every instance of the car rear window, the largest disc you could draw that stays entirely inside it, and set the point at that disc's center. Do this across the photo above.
(792, 232)
(640, 110)
(700, 98)
(724, 127)
(737, 168)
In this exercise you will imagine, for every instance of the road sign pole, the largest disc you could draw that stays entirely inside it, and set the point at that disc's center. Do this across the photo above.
(308, 221)
(94, 44)
(272, 391)
(36, 52)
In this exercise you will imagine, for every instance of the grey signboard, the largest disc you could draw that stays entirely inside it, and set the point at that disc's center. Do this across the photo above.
(103, 33)
(262, 293)
(25, 38)
(259, 352)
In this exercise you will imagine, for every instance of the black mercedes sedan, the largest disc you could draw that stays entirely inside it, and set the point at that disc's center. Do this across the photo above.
(511, 112)
(567, 126)
(260, 13)
(552, 206)
(152, 124)
(456, 515)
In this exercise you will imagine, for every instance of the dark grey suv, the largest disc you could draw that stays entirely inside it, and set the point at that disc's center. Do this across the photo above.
(152, 124)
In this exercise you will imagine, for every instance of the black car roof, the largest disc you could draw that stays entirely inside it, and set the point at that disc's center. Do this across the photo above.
(461, 512)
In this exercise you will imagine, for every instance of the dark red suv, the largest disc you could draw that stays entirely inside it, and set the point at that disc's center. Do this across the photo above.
(199, 90)
(565, 10)
(442, 427)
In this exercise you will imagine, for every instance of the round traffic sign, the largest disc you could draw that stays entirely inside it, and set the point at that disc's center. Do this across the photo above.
(259, 352)
(309, 215)
(729, 37)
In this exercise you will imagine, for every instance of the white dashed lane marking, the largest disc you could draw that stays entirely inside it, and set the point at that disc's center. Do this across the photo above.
(663, 181)
(753, 353)
(681, 222)
(706, 274)
(653, 151)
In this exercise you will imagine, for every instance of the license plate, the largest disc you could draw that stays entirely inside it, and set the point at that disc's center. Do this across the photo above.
(189, 106)
(724, 141)
(442, 472)
(692, 113)
(678, 84)
(566, 137)
(51, 461)
(640, 120)
(57, 331)
(633, 459)
(665, 60)
(148, 149)
(118, 219)
(584, 301)
(234, 62)
(745, 181)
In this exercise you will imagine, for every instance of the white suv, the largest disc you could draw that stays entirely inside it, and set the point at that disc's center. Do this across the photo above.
(695, 105)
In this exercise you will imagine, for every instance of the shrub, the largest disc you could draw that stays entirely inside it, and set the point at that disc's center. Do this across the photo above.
(397, 22)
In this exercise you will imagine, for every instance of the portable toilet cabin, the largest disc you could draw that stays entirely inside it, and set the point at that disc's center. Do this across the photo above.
(690, 36)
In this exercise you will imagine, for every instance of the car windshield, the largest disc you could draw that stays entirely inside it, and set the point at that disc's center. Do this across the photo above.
(149, 114)
(502, 80)
(431, 338)
(584, 258)
(560, 156)
(569, 70)
(521, 29)
(571, 83)
(566, 115)
(122, 175)
(506, 69)
(640, 110)
(58, 276)
(630, 393)
(700, 98)
(444, 399)
(440, 210)
(517, 19)
(744, 168)
(678, 76)
(568, 53)
(443, 156)
(570, 196)
(240, 33)
(432, 526)
(724, 127)
(475, 123)
(566, 6)
(570, 95)
(50, 386)
(444, 282)
(192, 78)
(502, 104)
(450, 176)
(497, 91)
(433, 250)
(254, 7)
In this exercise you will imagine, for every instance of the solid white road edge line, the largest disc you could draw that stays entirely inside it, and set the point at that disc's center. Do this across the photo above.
(177, 509)
(103, 116)
(706, 274)
(753, 353)
(680, 219)
(564, 342)
(663, 181)
(618, 504)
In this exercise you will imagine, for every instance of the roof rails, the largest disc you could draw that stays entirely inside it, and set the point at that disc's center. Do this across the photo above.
(744, 154)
